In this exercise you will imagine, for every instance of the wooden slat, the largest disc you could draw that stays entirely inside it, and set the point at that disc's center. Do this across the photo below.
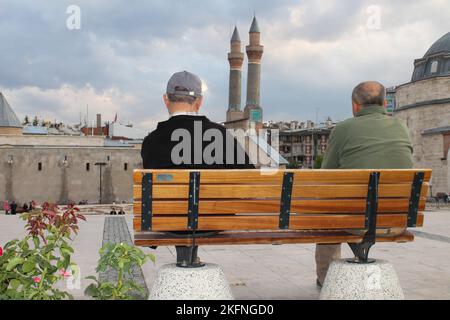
(276, 237)
(230, 191)
(170, 207)
(271, 222)
(301, 176)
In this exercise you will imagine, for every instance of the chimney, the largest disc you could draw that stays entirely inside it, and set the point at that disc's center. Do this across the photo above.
(99, 121)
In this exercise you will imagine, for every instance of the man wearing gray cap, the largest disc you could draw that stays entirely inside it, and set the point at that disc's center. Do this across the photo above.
(188, 129)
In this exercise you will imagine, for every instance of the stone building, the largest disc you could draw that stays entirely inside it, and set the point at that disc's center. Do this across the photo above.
(63, 168)
(9, 123)
(300, 143)
(424, 104)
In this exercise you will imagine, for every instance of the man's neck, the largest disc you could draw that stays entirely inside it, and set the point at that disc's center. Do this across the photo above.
(183, 113)
(370, 109)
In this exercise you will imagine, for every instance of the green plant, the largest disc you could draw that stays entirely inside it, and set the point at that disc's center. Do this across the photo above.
(31, 267)
(293, 165)
(122, 258)
(318, 161)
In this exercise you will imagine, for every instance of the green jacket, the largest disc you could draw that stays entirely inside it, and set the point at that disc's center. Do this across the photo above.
(371, 140)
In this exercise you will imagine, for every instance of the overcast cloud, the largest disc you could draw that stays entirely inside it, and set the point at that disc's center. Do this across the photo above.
(316, 51)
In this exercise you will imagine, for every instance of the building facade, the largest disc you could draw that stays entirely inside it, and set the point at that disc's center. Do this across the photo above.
(424, 104)
(61, 168)
(301, 143)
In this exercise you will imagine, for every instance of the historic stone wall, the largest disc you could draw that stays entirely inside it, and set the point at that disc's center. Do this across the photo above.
(47, 140)
(67, 181)
(423, 90)
(10, 131)
(429, 148)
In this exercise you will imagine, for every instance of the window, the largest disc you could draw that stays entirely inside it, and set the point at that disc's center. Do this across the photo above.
(88, 166)
(434, 66)
(446, 145)
(39, 166)
(125, 166)
(447, 66)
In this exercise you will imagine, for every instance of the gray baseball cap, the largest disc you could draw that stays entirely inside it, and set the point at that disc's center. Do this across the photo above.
(185, 84)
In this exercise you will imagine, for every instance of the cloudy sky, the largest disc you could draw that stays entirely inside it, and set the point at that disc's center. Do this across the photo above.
(120, 59)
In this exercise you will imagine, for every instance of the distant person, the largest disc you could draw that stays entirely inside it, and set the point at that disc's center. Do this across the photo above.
(13, 208)
(25, 207)
(369, 140)
(6, 207)
(183, 100)
(31, 206)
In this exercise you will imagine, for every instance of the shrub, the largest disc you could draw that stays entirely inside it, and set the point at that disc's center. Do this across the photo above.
(122, 258)
(31, 267)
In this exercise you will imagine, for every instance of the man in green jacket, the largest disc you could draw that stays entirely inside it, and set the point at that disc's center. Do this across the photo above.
(369, 140)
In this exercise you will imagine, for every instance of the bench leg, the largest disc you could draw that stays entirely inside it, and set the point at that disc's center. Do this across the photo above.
(361, 281)
(187, 257)
(361, 252)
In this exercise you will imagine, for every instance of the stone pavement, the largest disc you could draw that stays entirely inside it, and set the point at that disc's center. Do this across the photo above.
(116, 230)
(282, 272)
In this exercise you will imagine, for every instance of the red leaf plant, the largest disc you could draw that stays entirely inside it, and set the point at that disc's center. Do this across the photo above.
(40, 221)
(31, 267)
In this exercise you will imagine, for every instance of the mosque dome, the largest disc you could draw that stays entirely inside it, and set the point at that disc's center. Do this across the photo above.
(7, 116)
(435, 62)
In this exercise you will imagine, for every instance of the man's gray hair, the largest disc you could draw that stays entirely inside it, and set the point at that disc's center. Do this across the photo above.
(369, 93)
(178, 98)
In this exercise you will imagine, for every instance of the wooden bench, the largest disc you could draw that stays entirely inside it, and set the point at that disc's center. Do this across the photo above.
(187, 208)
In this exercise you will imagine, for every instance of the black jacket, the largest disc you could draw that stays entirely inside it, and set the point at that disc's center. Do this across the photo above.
(158, 145)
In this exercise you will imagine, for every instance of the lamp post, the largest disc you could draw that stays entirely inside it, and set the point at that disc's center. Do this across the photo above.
(101, 165)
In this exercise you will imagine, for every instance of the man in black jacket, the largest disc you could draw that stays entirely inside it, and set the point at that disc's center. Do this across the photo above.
(13, 208)
(189, 140)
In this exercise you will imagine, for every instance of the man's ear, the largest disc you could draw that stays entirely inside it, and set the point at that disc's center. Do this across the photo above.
(356, 108)
(198, 103)
(166, 101)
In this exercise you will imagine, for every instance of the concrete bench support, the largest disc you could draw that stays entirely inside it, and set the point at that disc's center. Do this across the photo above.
(369, 281)
(203, 283)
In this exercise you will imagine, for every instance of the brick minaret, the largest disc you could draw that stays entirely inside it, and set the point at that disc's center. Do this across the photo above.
(236, 59)
(253, 110)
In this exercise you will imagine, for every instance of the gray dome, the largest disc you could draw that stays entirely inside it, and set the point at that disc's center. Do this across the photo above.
(442, 45)
(7, 116)
(435, 62)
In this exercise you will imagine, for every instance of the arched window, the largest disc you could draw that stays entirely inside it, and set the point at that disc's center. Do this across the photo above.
(447, 66)
(434, 66)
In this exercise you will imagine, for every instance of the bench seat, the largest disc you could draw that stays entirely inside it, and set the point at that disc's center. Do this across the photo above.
(187, 208)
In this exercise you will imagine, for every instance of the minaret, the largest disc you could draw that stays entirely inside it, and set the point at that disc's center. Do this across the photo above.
(253, 110)
(236, 59)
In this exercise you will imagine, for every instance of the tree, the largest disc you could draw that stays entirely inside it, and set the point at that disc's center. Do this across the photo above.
(26, 121)
(318, 161)
(294, 165)
(35, 121)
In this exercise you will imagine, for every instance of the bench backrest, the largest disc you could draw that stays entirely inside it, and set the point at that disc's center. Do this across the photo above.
(186, 200)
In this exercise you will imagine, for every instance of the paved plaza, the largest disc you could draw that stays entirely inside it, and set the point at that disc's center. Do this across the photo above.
(274, 272)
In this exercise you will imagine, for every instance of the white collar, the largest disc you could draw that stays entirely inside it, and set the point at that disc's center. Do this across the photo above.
(183, 113)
